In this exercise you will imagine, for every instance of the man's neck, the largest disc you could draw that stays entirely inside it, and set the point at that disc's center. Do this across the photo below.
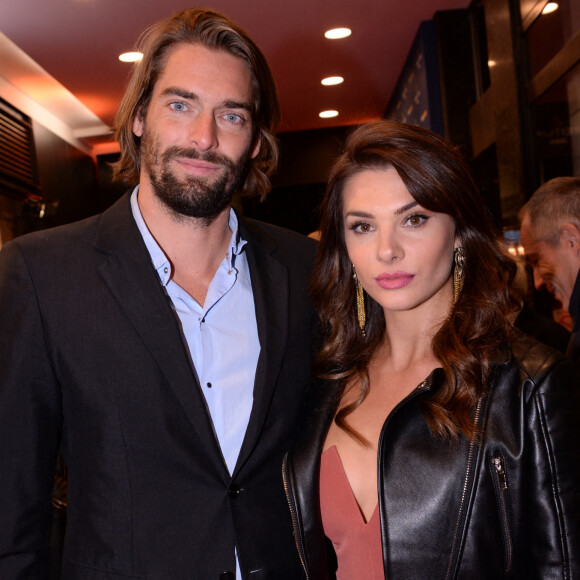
(194, 247)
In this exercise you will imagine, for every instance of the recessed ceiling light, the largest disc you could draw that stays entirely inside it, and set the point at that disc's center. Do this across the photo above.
(328, 114)
(131, 56)
(338, 33)
(550, 7)
(328, 81)
(491, 63)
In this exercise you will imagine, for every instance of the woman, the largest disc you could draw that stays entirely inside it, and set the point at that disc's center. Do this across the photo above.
(438, 443)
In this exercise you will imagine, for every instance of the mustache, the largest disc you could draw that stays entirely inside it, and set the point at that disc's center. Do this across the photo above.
(191, 153)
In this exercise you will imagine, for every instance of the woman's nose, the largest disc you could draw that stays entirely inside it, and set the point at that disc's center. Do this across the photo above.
(389, 249)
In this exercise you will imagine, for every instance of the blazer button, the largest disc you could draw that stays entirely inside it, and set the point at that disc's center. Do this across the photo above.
(233, 492)
(227, 576)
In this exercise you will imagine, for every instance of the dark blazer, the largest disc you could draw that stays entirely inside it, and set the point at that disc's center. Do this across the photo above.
(507, 506)
(93, 362)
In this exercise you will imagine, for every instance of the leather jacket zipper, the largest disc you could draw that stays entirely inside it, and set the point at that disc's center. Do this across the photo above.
(501, 487)
(471, 451)
(294, 517)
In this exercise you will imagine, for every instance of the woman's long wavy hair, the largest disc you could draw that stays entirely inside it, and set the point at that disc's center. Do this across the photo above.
(214, 31)
(437, 177)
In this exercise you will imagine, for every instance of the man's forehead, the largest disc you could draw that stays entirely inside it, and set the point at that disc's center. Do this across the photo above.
(526, 233)
(531, 234)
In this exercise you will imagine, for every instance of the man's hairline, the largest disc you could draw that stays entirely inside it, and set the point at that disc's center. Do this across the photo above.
(534, 226)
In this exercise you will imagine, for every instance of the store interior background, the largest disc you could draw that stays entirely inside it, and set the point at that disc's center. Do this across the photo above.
(499, 78)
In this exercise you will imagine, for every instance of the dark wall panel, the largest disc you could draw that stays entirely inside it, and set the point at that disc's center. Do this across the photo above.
(67, 179)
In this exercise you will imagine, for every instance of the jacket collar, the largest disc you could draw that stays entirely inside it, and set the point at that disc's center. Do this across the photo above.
(128, 272)
(270, 286)
(132, 280)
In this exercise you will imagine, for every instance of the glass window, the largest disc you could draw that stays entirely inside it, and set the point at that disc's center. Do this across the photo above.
(556, 117)
(550, 32)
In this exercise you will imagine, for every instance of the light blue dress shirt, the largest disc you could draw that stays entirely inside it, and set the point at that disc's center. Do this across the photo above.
(222, 336)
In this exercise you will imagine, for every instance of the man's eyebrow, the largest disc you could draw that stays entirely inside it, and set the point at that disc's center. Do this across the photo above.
(406, 208)
(177, 92)
(237, 105)
(184, 94)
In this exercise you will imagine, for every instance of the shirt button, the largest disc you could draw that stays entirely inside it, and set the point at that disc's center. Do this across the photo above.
(227, 576)
(234, 491)
(209, 385)
(165, 270)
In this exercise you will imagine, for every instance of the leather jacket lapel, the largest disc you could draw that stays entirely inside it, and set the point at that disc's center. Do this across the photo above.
(407, 448)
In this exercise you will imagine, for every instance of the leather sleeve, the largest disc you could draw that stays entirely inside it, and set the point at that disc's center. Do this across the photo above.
(29, 424)
(553, 474)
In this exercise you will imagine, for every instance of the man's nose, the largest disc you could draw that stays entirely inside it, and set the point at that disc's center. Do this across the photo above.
(538, 280)
(203, 132)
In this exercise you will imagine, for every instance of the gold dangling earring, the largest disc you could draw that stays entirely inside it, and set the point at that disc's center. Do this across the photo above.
(458, 272)
(360, 303)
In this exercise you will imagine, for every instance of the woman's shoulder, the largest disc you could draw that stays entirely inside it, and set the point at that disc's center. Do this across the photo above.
(539, 364)
(534, 357)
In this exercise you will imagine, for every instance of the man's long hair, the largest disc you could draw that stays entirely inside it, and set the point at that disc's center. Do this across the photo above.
(216, 32)
(436, 176)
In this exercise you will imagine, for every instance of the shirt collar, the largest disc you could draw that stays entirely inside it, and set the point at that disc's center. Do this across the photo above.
(160, 261)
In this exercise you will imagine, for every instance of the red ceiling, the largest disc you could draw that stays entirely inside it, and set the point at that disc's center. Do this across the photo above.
(78, 41)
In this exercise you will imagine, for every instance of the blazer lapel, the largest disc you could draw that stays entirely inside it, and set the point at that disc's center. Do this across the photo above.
(271, 299)
(128, 272)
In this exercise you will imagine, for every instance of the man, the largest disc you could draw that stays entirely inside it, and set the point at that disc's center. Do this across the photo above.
(550, 234)
(163, 346)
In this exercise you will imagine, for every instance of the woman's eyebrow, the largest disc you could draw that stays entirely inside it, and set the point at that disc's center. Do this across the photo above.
(357, 213)
(406, 207)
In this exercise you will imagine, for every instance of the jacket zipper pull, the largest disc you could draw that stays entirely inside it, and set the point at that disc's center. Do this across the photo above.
(498, 464)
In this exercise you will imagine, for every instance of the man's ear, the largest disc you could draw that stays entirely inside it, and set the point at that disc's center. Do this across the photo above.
(257, 146)
(570, 236)
(138, 124)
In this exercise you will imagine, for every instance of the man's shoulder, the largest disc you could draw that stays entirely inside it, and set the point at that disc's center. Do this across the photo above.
(51, 238)
(71, 236)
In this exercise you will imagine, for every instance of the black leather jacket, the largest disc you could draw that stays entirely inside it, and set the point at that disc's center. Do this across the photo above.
(506, 507)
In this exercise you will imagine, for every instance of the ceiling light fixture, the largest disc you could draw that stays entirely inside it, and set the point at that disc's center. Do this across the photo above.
(329, 81)
(550, 7)
(131, 56)
(328, 114)
(338, 33)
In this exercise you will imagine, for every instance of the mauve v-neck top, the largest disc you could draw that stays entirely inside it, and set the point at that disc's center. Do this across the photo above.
(357, 543)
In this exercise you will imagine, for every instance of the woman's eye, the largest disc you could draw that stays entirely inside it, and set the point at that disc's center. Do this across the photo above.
(361, 227)
(416, 220)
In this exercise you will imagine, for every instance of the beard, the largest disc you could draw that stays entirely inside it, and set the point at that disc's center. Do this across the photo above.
(192, 196)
